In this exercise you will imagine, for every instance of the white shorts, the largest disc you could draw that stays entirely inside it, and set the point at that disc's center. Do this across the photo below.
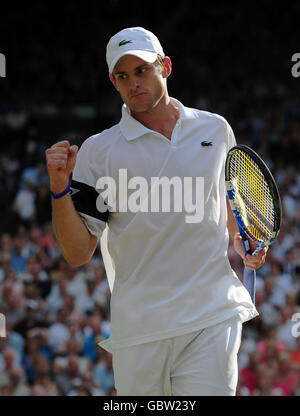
(202, 363)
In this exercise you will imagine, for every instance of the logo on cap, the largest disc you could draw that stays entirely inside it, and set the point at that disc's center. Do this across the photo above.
(123, 42)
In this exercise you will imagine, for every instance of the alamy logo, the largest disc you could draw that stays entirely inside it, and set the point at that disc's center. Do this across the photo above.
(296, 67)
(161, 194)
(124, 42)
(2, 326)
(296, 326)
(2, 65)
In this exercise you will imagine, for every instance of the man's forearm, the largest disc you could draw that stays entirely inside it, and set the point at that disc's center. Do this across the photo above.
(76, 242)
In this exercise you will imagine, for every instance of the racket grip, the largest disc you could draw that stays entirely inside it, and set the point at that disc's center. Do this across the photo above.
(246, 244)
(249, 281)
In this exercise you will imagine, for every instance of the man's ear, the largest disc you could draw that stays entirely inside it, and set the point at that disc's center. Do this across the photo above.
(167, 67)
(113, 82)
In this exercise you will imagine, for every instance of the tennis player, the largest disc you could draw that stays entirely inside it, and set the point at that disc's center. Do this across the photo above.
(177, 307)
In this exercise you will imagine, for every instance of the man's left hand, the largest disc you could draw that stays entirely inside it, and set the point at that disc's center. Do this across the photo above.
(250, 262)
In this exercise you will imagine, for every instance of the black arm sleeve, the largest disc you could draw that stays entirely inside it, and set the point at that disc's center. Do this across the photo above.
(84, 198)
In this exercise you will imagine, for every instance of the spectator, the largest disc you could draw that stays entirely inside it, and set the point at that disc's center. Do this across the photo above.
(284, 331)
(29, 358)
(18, 257)
(85, 301)
(55, 299)
(44, 385)
(103, 374)
(74, 372)
(101, 291)
(93, 334)
(294, 356)
(24, 204)
(35, 276)
(15, 341)
(90, 384)
(60, 376)
(6, 243)
(265, 382)
(18, 383)
(248, 374)
(34, 241)
(287, 377)
(9, 363)
(12, 297)
(83, 391)
(75, 281)
(32, 319)
(42, 205)
(58, 333)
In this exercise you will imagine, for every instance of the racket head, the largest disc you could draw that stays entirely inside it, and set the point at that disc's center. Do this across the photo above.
(253, 194)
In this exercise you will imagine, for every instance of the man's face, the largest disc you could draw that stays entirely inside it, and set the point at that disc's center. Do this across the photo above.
(140, 84)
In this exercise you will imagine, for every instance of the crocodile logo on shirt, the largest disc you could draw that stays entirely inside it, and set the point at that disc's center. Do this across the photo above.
(205, 143)
(124, 42)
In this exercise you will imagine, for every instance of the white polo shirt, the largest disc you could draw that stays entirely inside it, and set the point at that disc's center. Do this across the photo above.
(168, 276)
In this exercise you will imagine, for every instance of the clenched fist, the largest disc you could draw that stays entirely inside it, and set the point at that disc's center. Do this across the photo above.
(61, 159)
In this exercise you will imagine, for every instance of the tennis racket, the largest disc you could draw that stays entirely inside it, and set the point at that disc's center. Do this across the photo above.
(255, 203)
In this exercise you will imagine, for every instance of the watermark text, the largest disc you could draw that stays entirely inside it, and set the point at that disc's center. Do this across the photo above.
(2, 65)
(296, 327)
(159, 194)
(2, 326)
(296, 67)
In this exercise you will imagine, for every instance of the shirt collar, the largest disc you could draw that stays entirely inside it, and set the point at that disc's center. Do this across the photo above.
(132, 129)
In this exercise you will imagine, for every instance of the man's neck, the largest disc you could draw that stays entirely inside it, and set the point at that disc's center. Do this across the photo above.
(161, 118)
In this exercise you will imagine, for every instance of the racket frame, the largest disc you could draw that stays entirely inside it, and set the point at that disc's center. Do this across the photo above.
(249, 276)
(244, 232)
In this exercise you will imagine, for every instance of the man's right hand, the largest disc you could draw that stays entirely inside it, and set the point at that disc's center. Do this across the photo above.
(61, 158)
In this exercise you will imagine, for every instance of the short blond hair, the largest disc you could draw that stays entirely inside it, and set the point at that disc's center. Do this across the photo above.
(159, 60)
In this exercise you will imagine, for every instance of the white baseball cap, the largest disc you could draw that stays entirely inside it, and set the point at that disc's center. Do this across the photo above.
(135, 41)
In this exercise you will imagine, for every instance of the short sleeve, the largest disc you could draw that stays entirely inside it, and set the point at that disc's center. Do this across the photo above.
(84, 195)
(231, 137)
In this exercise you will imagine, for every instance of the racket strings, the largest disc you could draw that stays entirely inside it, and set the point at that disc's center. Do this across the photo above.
(252, 196)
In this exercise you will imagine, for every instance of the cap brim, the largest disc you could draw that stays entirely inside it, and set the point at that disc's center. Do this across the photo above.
(146, 56)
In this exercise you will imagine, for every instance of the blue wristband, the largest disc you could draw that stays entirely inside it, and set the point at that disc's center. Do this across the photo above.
(56, 196)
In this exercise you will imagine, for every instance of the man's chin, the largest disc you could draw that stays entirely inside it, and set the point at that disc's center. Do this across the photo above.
(139, 108)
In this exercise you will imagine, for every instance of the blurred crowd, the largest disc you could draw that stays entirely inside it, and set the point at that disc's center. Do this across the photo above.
(56, 314)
